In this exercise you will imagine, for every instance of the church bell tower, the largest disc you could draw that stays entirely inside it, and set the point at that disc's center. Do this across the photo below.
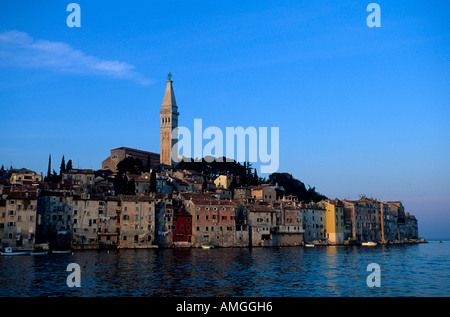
(169, 121)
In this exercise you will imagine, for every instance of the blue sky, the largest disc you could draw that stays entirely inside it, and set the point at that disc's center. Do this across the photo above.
(360, 110)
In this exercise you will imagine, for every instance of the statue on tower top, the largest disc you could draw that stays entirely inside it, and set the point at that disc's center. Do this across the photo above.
(169, 76)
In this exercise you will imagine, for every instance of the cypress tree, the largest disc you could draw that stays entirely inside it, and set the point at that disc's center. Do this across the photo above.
(49, 171)
(63, 166)
(69, 165)
(153, 182)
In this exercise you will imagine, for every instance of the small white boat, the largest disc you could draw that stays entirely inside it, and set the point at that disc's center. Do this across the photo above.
(309, 245)
(9, 251)
(207, 246)
(62, 251)
(369, 244)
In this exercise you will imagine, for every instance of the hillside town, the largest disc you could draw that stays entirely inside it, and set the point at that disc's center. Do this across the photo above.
(156, 203)
(82, 211)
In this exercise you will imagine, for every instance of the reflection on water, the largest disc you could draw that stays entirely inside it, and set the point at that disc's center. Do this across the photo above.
(406, 270)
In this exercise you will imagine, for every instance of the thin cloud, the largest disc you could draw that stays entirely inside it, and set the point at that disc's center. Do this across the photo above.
(18, 49)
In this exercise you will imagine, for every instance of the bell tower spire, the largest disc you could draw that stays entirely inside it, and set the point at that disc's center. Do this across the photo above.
(169, 121)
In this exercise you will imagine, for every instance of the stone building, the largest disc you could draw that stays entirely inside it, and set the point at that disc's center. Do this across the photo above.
(213, 221)
(223, 181)
(389, 227)
(24, 177)
(137, 222)
(117, 155)
(55, 218)
(314, 222)
(265, 193)
(289, 227)
(242, 192)
(18, 218)
(79, 177)
(365, 218)
(86, 215)
(262, 221)
(108, 229)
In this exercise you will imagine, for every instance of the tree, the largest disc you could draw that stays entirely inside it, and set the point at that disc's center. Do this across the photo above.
(149, 163)
(204, 185)
(153, 182)
(128, 165)
(49, 171)
(254, 179)
(295, 187)
(62, 169)
(69, 165)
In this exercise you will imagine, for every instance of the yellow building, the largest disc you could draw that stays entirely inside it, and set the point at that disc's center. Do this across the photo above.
(24, 176)
(334, 216)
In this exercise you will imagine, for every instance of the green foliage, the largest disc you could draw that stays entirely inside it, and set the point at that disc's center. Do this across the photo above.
(153, 182)
(62, 169)
(128, 165)
(69, 165)
(295, 187)
(213, 167)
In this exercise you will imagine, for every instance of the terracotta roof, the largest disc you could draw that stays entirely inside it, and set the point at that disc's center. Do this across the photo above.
(135, 150)
(259, 208)
(213, 202)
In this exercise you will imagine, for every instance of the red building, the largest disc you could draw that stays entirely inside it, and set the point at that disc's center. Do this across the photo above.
(182, 226)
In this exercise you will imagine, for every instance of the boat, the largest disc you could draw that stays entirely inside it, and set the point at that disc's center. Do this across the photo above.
(369, 244)
(309, 245)
(9, 251)
(39, 252)
(62, 251)
(207, 246)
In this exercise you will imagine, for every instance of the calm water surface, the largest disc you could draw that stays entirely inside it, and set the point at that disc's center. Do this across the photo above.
(406, 270)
